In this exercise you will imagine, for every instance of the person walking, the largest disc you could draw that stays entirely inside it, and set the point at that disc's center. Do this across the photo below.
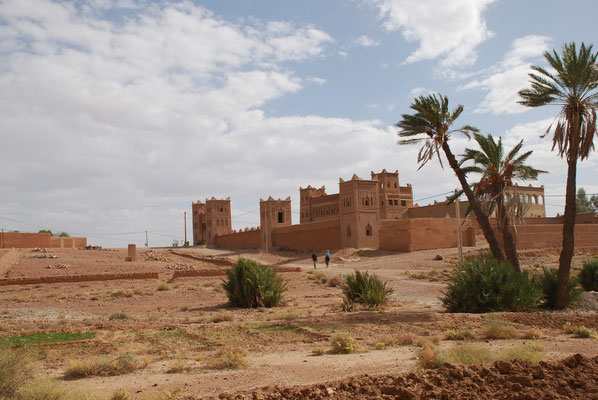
(327, 258)
(314, 258)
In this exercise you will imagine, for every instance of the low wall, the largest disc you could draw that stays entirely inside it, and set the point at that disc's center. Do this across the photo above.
(423, 234)
(78, 278)
(21, 240)
(551, 236)
(321, 235)
(239, 240)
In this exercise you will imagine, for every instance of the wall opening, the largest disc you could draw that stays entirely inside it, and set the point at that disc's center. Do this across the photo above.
(348, 231)
(368, 230)
(280, 217)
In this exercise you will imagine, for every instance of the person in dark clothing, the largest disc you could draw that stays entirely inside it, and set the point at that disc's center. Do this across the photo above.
(314, 258)
(327, 258)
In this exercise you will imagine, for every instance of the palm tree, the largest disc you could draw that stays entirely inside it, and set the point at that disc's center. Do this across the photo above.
(572, 86)
(431, 124)
(498, 173)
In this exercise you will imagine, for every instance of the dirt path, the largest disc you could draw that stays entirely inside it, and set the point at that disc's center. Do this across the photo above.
(8, 259)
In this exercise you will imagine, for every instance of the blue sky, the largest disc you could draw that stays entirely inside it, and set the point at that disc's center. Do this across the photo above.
(116, 114)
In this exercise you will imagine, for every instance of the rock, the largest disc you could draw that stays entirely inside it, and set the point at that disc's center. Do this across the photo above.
(438, 257)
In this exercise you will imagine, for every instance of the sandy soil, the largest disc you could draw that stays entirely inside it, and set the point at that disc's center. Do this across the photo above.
(188, 320)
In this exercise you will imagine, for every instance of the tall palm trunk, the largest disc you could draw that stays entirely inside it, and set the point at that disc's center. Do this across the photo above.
(502, 219)
(481, 217)
(568, 235)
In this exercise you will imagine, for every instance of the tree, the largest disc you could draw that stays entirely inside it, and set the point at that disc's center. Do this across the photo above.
(46, 231)
(64, 234)
(571, 85)
(582, 204)
(431, 124)
(499, 172)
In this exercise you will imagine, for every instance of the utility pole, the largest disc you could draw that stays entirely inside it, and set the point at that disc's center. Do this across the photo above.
(2, 237)
(458, 218)
(146, 240)
(185, 229)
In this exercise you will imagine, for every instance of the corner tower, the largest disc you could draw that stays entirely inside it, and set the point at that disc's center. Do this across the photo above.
(198, 213)
(359, 212)
(218, 219)
(395, 200)
(273, 214)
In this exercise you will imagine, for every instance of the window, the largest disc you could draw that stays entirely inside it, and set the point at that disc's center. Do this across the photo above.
(390, 202)
(368, 230)
(395, 185)
(348, 231)
(367, 201)
(396, 202)
(404, 203)
(217, 222)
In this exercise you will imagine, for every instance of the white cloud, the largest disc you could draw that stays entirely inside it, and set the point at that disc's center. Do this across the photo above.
(450, 30)
(366, 41)
(504, 81)
(316, 80)
(418, 91)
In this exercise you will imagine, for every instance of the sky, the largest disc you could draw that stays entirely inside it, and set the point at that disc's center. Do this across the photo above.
(116, 114)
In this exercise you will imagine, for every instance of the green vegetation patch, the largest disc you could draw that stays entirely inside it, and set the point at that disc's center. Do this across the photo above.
(43, 337)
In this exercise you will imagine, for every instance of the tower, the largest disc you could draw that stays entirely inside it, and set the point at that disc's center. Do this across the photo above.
(218, 219)
(305, 196)
(394, 199)
(359, 212)
(273, 214)
(198, 216)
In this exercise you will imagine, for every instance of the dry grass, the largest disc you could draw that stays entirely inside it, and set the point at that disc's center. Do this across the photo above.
(460, 334)
(469, 353)
(429, 356)
(343, 343)
(178, 366)
(222, 316)
(495, 328)
(533, 334)
(103, 366)
(15, 371)
(120, 394)
(318, 351)
(119, 316)
(163, 286)
(406, 339)
(584, 333)
(529, 351)
(230, 358)
(45, 389)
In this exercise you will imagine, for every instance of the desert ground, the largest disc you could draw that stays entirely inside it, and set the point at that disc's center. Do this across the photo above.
(176, 328)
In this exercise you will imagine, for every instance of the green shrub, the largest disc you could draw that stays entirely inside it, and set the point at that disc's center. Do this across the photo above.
(484, 284)
(365, 288)
(251, 284)
(15, 371)
(588, 276)
(547, 283)
(583, 332)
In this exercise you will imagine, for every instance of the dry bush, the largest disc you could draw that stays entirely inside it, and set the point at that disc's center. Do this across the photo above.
(166, 394)
(44, 389)
(222, 316)
(585, 333)
(15, 371)
(229, 358)
(429, 356)
(529, 351)
(460, 334)
(178, 366)
(120, 394)
(119, 293)
(469, 354)
(343, 343)
(533, 334)
(406, 339)
(119, 316)
(162, 287)
(318, 351)
(124, 364)
(495, 328)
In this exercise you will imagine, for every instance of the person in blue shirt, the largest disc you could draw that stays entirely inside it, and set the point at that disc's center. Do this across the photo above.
(327, 258)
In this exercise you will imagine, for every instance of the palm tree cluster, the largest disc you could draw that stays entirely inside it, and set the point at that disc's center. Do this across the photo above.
(572, 85)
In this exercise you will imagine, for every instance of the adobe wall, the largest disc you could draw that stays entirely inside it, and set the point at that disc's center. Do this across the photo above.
(239, 240)
(24, 240)
(424, 234)
(322, 235)
(551, 236)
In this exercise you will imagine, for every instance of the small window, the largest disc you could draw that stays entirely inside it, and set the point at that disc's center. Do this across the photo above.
(390, 202)
(396, 202)
(367, 201)
(348, 231)
(404, 203)
(221, 209)
(395, 185)
(280, 217)
(217, 222)
(368, 230)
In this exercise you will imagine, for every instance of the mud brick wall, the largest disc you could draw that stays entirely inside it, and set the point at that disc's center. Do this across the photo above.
(239, 240)
(322, 235)
(424, 234)
(31, 240)
(78, 278)
(551, 236)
